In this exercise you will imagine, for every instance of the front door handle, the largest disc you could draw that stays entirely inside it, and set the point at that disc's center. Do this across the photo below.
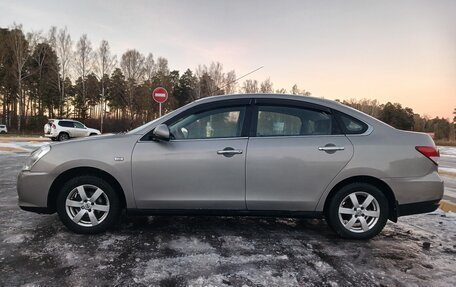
(331, 148)
(229, 151)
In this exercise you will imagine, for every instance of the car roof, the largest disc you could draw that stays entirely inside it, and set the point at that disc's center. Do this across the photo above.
(62, 120)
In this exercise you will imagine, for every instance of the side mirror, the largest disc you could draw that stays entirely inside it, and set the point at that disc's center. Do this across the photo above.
(161, 132)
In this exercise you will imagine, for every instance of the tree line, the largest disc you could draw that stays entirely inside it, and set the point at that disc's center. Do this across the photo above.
(48, 75)
(404, 118)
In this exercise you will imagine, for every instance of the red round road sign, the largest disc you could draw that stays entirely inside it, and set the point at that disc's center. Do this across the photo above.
(160, 95)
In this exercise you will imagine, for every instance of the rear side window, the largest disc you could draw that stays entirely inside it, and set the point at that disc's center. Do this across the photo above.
(350, 125)
(66, 124)
(293, 121)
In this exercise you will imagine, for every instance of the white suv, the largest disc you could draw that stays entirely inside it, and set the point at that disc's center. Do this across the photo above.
(61, 130)
(3, 129)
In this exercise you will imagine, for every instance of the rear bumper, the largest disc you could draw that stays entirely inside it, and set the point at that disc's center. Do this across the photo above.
(417, 207)
(416, 190)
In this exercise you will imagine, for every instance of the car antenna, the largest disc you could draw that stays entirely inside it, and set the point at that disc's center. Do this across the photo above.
(251, 72)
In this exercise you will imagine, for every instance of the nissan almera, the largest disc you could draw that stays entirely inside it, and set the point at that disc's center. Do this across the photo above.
(262, 155)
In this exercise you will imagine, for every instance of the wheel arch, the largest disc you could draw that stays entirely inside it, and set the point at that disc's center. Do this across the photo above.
(383, 186)
(66, 175)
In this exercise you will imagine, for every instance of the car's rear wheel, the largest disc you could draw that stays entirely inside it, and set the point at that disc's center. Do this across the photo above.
(53, 139)
(63, 137)
(88, 204)
(358, 211)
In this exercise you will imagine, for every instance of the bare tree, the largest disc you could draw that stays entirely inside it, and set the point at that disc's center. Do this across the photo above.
(266, 86)
(217, 76)
(21, 53)
(104, 64)
(250, 86)
(64, 47)
(83, 63)
(132, 65)
(162, 66)
(230, 82)
(150, 68)
(296, 91)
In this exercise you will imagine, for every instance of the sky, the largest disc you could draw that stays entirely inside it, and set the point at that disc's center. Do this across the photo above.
(398, 51)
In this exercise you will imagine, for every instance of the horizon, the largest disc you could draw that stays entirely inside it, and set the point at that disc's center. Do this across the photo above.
(402, 52)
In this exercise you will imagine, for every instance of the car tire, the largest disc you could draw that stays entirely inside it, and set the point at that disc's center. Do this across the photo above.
(358, 211)
(88, 205)
(63, 137)
(92, 135)
(53, 139)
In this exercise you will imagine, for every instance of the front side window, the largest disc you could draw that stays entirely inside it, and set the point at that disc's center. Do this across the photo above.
(217, 123)
(78, 125)
(292, 121)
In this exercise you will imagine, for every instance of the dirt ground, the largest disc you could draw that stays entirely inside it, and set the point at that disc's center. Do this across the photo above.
(36, 250)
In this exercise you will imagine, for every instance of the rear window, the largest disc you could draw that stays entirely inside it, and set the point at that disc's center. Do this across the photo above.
(66, 124)
(350, 125)
(2, 126)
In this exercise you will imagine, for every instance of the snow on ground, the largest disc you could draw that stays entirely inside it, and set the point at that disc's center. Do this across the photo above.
(13, 147)
(447, 150)
(37, 250)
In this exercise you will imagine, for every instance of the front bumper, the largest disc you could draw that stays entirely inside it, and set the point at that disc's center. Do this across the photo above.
(33, 189)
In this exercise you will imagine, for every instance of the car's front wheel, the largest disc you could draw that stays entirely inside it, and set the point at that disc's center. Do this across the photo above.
(358, 211)
(88, 205)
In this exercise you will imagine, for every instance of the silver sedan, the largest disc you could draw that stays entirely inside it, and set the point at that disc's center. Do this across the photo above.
(262, 155)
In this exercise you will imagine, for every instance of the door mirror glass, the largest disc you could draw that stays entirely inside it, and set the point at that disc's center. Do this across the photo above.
(161, 132)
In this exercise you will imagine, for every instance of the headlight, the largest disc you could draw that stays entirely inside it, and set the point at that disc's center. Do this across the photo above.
(35, 156)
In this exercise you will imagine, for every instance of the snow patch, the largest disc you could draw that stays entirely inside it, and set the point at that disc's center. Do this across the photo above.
(191, 266)
(236, 243)
(17, 238)
(190, 245)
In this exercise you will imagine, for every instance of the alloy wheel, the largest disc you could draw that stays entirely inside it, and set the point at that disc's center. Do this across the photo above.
(359, 212)
(87, 205)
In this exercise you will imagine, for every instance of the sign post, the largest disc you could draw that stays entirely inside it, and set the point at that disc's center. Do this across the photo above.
(160, 95)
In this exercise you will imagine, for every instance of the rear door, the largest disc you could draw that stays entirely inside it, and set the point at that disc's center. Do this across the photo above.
(294, 152)
(68, 127)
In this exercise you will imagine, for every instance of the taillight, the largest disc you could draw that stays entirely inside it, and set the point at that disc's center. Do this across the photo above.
(53, 126)
(430, 152)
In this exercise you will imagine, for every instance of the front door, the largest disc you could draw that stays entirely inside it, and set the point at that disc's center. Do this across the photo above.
(201, 167)
(294, 153)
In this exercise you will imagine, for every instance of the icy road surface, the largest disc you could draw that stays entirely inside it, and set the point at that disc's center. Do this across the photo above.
(218, 251)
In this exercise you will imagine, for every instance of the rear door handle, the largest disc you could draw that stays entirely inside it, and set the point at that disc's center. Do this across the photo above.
(331, 148)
